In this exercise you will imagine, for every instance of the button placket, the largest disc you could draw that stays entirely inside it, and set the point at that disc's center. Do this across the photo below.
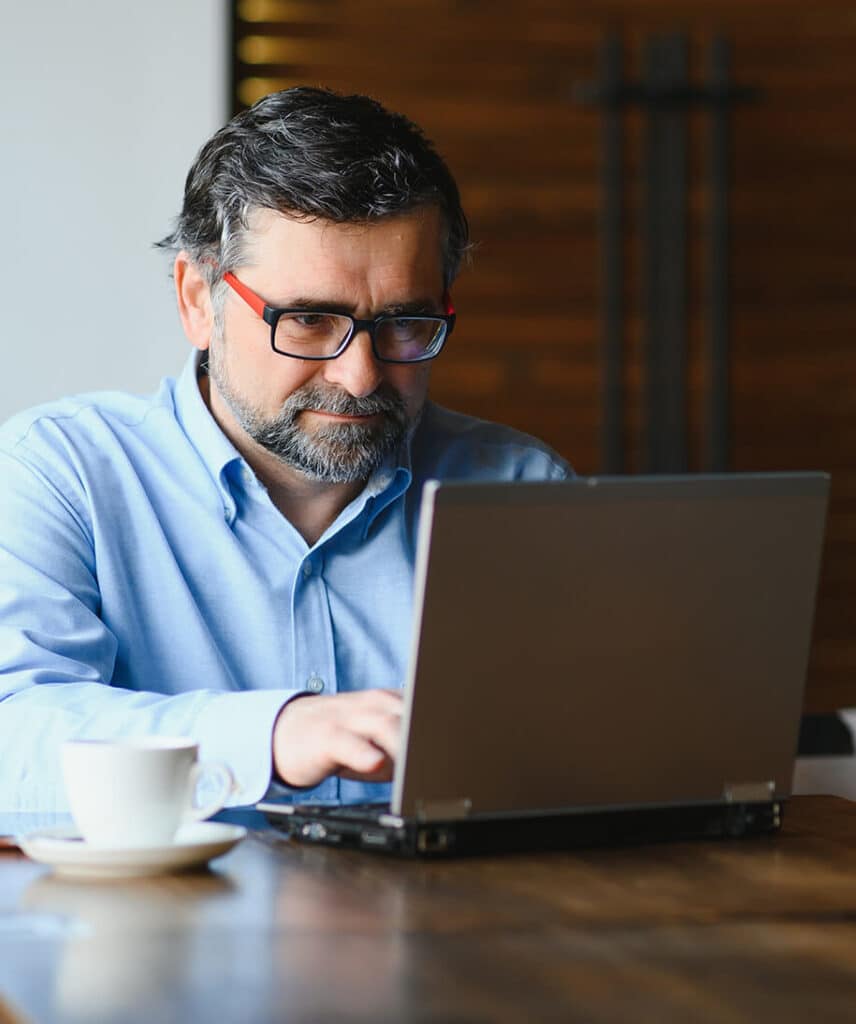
(314, 657)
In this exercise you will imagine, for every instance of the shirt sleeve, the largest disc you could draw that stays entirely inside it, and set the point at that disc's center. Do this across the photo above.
(57, 658)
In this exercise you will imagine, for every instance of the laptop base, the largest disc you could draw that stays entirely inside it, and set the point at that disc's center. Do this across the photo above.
(363, 827)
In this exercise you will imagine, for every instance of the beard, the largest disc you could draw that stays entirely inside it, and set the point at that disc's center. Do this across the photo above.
(335, 453)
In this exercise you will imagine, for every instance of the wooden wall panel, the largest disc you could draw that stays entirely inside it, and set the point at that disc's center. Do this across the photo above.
(492, 82)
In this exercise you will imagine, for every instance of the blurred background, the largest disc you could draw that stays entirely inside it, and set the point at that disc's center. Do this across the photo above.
(661, 197)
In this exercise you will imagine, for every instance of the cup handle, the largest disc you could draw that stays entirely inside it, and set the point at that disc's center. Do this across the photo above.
(220, 770)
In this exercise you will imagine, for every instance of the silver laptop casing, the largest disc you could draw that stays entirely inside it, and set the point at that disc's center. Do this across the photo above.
(608, 643)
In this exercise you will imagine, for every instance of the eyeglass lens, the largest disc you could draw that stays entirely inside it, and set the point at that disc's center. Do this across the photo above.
(403, 339)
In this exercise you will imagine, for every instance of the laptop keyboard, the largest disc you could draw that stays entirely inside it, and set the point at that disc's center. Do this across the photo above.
(357, 811)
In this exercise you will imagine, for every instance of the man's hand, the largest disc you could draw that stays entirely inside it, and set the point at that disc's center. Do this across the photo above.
(355, 735)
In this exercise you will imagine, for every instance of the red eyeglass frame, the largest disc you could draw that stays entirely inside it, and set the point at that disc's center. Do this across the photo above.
(271, 315)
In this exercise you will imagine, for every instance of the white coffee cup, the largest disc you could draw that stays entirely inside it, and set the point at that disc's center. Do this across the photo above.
(138, 792)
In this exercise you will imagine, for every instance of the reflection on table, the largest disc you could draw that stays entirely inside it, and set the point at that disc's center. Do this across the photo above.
(702, 931)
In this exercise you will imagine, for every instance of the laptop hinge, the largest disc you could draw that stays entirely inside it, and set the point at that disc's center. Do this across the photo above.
(749, 792)
(443, 810)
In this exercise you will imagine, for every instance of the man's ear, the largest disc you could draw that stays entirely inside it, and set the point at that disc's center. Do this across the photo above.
(194, 301)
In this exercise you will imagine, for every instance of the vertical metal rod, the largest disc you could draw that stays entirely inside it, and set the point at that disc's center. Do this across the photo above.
(672, 449)
(651, 269)
(718, 398)
(612, 278)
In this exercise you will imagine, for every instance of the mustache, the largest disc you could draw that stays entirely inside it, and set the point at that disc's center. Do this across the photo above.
(315, 398)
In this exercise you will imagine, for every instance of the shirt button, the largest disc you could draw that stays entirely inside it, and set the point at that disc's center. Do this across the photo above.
(315, 684)
(249, 476)
(307, 569)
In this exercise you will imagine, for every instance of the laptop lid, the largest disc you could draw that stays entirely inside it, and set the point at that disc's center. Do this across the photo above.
(608, 643)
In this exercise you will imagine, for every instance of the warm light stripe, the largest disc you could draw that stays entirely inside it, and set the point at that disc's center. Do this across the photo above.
(274, 50)
(251, 89)
(285, 11)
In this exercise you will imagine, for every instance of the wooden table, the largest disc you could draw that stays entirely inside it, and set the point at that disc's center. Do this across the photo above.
(733, 931)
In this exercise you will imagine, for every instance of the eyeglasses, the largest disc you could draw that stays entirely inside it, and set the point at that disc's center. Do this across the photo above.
(316, 334)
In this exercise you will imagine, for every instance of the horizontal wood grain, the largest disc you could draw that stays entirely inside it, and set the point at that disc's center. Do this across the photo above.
(708, 931)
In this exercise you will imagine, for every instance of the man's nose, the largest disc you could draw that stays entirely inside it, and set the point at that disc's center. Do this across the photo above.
(356, 369)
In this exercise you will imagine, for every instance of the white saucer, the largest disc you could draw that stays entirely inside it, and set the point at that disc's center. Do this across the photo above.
(68, 854)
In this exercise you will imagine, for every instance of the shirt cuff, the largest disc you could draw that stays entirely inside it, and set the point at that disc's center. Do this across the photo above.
(238, 728)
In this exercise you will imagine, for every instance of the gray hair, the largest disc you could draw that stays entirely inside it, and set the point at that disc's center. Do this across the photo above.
(311, 153)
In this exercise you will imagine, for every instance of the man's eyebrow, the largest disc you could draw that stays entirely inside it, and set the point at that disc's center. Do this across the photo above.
(324, 305)
(415, 307)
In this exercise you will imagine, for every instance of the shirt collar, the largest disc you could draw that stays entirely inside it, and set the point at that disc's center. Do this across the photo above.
(388, 482)
(391, 479)
(214, 448)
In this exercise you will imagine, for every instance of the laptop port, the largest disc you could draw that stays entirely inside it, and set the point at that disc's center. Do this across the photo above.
(373, 837)
(433, 840)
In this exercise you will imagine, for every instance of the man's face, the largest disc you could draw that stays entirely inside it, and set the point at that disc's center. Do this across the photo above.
(333, 420)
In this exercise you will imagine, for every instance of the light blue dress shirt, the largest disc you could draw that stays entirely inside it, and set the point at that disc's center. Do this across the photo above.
(148, 584)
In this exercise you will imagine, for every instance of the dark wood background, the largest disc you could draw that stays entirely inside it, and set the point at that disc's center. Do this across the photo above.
(493, 83)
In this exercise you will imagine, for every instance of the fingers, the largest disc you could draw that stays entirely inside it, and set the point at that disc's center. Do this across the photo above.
(356, 735)
(359, 758)
(379, 728)
(382, 701)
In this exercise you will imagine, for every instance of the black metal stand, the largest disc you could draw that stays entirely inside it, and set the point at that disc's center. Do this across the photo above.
(667, 98)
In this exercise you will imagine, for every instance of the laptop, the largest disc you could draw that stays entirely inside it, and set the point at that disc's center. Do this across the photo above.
(606, 659)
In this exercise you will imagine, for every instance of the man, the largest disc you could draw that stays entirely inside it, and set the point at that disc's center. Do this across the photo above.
(231, 559)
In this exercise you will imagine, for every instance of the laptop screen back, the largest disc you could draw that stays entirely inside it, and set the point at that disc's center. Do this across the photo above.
(609, 643)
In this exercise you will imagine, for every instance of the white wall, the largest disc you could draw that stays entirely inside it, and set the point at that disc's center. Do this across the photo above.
(103, 105)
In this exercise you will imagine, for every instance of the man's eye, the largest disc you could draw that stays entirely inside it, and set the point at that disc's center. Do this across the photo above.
(406, 325)
(311, 319)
